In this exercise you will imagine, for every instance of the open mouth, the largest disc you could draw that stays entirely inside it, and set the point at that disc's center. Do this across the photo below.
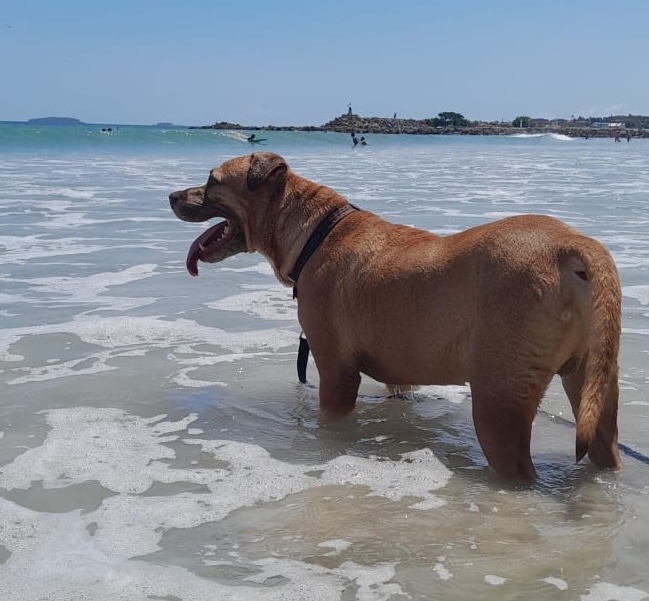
(215, 244)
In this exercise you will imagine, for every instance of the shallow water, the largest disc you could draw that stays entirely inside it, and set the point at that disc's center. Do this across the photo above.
(155, 442)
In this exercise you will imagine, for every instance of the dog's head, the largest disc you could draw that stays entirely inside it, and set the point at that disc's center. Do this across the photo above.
(238, 191)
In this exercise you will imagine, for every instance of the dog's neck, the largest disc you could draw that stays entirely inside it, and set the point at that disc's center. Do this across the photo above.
(318, 215)
(325, 226)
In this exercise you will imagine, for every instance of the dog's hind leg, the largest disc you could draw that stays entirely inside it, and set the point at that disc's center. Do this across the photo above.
(603, 451)
(504, 427)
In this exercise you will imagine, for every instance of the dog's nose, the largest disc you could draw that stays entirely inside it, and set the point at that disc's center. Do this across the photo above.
(174, 197)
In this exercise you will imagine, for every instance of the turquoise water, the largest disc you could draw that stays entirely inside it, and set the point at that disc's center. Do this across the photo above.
(19, 137)
(23, 137)
(155, 442)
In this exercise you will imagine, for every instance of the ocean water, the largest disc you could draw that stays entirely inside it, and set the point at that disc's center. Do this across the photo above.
(155, 442)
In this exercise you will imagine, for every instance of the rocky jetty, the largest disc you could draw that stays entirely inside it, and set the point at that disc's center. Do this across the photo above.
(351, 122)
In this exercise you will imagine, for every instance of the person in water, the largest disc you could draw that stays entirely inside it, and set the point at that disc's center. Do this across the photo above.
(356, 141)
(255, 140)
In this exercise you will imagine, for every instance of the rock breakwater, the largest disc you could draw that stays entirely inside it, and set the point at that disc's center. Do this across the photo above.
(351, 122)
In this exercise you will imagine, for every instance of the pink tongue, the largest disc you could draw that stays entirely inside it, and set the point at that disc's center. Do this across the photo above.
(195, 253)
(192, 259)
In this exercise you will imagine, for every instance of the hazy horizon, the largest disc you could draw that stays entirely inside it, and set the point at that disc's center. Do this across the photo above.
(238, 123)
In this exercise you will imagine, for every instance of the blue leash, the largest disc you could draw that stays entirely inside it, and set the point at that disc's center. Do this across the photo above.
(633, 453)
(624, 448)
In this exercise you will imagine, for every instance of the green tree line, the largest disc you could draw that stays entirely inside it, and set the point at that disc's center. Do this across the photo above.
(453, 119)
(446, 119)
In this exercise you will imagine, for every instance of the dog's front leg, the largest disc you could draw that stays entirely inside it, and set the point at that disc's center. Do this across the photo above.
(338, 388)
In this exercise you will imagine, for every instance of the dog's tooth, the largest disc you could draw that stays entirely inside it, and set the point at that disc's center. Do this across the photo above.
(201, 247)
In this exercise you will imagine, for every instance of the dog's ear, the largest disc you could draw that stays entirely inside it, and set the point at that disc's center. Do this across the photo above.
(265, 167)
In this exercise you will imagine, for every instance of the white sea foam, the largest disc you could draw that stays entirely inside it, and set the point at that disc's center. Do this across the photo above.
(549, 136)
(639, 293)
(123, 335)
(442, 571)
(604, 591)
(263, 267)
(233, 135)
(126, 455)
(495, 580)
(337, 545)
(275, 302)
(86, 366)
(639, 331)
(20, 249)
(526, 136)
(77, 194)
(92, 289)
(453, 393)
(184, 379)
(559, 583)
(54, 557)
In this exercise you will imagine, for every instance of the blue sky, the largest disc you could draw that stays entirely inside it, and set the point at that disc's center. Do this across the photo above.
(285, 62)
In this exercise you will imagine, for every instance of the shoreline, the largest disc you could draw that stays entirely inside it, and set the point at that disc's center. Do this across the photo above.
(348, 123)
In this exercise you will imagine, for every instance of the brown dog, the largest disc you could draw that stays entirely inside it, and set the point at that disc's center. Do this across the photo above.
(504, 306)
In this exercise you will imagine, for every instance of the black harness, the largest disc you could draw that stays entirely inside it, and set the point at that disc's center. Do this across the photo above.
(323, 229)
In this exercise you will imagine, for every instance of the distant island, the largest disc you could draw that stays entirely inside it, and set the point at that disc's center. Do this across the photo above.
(452, 123)
(73, 121)
(55, 121)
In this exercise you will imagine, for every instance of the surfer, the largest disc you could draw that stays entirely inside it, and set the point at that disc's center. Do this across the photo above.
(254, 140)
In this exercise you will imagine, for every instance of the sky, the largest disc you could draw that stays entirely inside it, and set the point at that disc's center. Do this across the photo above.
(302, 62)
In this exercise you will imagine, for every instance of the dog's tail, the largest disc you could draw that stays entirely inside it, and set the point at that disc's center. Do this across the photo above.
(601, 370)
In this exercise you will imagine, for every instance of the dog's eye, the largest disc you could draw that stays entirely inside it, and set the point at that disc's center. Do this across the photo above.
(215, 178)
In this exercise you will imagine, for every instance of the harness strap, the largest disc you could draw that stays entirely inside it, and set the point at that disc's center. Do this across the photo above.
(330, 221)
